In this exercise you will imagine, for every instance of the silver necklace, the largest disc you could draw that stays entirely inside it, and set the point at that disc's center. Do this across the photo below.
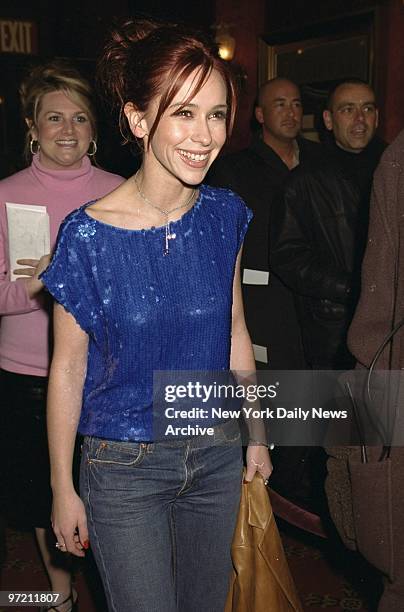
(168, 234)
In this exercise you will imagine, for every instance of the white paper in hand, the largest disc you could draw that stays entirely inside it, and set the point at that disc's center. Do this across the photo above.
(28, 233)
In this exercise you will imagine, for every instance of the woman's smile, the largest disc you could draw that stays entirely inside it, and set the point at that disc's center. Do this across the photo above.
(194, 159)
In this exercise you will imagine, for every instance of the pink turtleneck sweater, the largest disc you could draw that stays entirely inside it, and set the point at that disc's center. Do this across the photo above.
(24, 326)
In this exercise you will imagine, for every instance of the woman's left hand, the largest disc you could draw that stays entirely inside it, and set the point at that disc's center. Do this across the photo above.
(258, 460)
(31, 271)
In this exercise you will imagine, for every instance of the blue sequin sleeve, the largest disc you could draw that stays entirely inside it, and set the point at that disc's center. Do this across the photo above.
(244, 217)
(68, 276)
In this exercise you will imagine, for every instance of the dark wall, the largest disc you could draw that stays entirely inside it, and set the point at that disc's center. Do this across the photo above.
(389, 68)
(295, 14)
(198, 13)
(247, 20)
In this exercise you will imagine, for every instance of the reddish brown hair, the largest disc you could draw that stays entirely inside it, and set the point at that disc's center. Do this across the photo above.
(144, 59)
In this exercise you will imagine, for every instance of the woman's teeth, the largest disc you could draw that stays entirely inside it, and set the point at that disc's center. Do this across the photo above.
(194, 156)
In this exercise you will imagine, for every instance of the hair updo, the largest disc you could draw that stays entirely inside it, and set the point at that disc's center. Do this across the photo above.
(144, 59)
(50, 77)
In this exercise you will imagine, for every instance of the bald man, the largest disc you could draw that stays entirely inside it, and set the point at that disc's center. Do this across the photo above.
(279, 112)
(257, 174)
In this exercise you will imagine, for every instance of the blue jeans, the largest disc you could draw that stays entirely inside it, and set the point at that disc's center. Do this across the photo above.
(161, 518)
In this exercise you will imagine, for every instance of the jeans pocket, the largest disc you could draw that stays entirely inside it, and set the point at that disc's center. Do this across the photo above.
(109, 452)
(230, 432)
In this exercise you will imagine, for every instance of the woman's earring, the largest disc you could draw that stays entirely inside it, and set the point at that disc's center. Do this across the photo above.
(34, 146)
(94, 149)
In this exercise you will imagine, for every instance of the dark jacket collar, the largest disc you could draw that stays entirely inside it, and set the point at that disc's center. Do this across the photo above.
(268, 155)
(357, 167)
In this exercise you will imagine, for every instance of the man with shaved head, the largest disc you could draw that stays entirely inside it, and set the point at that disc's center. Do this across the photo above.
(257, 174)
(279, 111)
(319, 228)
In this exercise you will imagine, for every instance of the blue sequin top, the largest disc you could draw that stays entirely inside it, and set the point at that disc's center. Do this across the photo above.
(144, 311)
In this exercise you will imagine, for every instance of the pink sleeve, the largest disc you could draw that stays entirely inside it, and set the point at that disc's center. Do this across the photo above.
(13, 295)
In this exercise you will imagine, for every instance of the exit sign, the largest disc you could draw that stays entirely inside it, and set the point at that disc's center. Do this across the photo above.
(18, 37)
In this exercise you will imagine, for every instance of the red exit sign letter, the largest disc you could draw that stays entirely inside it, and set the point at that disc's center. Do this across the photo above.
(18, 37)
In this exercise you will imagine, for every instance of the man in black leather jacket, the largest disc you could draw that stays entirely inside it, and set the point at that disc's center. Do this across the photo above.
(319, 226)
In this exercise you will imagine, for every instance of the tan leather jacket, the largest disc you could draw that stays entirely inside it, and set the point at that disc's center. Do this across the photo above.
(261, 579)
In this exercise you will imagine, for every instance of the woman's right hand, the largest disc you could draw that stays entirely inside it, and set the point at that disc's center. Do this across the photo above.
(69, 523)
(33, 270)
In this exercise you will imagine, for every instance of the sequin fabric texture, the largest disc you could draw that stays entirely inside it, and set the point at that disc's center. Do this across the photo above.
(145, 312)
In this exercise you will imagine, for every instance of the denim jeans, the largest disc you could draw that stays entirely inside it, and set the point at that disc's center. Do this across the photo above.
(161, 518)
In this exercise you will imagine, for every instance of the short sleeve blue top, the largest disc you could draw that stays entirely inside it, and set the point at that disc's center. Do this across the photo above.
(144, 311)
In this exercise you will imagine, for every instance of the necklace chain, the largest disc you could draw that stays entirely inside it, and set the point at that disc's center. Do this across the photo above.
(168, 235)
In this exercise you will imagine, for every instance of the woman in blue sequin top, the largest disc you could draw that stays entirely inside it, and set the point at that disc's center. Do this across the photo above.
(147, 279)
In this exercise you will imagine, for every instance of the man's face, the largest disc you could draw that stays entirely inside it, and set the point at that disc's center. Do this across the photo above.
(280, 112)
(353, 117)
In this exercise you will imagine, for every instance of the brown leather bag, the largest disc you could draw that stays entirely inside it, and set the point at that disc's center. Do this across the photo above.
(372, 499)
(261, 578)
(359, 483)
